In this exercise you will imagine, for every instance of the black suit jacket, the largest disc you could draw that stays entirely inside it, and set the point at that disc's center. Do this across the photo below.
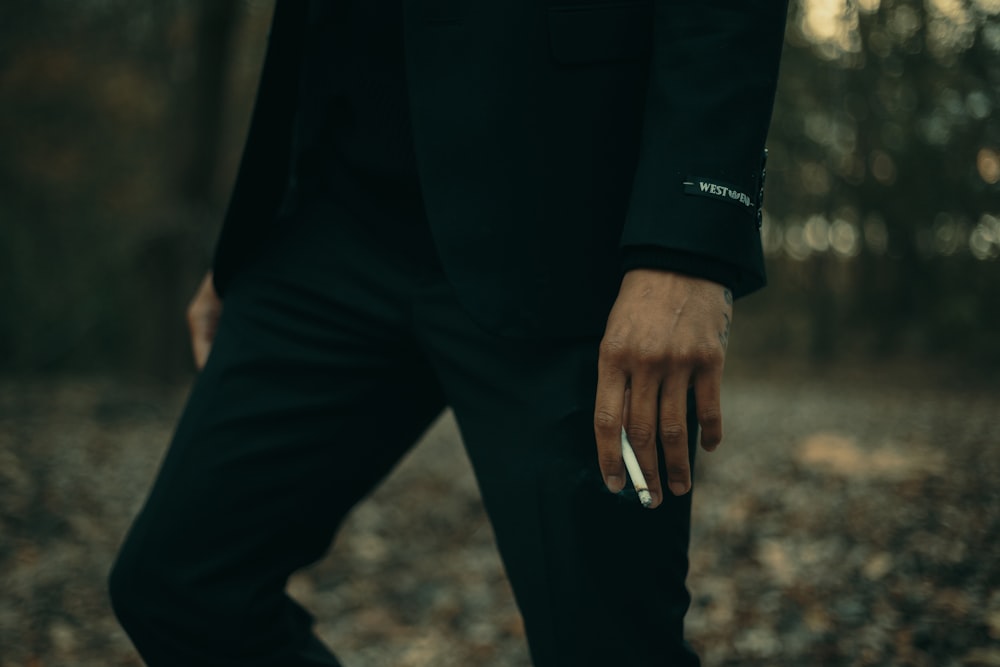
(549, 136)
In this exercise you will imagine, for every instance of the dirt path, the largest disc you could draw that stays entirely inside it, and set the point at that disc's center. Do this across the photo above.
(849, 521)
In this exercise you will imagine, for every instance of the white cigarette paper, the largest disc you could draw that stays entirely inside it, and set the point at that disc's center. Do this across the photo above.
(635, 472)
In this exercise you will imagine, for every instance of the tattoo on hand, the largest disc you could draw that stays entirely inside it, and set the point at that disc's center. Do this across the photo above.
(724, 335)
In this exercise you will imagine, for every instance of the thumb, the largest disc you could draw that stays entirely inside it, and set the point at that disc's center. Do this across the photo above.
(203, 319)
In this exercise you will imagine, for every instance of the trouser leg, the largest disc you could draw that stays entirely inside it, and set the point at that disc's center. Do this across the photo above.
(312, 392)
(599, 579)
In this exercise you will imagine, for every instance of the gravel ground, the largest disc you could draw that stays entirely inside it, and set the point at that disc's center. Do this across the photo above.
(847, 520)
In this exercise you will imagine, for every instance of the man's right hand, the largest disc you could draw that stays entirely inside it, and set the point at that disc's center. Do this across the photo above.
(203, 319)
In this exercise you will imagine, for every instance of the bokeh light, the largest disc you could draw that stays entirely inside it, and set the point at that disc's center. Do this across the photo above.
(988, 164)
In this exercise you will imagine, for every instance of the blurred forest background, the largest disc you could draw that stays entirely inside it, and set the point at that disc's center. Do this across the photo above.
(852, 516)
(121, 126)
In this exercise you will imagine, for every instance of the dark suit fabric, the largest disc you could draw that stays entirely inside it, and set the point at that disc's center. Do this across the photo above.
(337, 347)
(549, 138)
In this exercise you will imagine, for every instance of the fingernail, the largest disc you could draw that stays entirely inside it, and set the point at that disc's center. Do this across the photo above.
(678, 488)
(615, 483)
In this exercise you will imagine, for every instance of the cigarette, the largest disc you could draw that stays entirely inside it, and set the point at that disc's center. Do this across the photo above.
(632, 465)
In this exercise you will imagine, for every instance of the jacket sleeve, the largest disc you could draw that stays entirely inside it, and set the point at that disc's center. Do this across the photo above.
(262, 176)
(699, 182)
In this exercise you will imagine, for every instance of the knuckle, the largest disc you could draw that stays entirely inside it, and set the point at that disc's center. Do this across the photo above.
(649, 354)
(612, 349)
(639, 433)
(606, 421)
(708, 352)
(684, 357)
(672, 432)
(710, 418)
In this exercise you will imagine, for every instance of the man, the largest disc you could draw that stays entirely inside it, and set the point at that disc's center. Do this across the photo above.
(537, 213)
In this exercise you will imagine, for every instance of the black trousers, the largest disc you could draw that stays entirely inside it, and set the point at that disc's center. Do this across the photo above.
(336, 349)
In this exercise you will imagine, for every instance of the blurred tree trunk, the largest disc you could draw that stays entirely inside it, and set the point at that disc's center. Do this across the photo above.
(822, 311)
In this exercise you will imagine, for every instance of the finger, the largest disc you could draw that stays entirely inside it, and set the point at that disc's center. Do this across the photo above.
(708, 403)
(608, 423)
(673, 433)
(640, 426)
(201, 331)
(201, 347)
(202, 319)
